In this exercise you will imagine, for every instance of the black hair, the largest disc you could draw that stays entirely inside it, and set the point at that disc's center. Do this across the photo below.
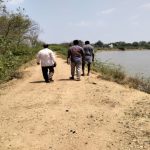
(75, 42)
(45, 45)
(87, 42)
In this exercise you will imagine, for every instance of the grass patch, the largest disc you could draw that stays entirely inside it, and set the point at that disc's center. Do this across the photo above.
(12, 60)
(140, 83)
(109, 72)
(60, 49)
(116, 74)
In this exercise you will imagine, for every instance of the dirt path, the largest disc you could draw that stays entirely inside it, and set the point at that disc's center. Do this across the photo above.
(92, 114)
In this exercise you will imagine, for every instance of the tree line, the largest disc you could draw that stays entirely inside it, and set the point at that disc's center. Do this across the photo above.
(116, 45)
(18, 40)
(123, 45)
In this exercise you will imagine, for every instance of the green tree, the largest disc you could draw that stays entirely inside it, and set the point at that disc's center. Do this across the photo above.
(17, 28)
(99, 44)
(135, 44)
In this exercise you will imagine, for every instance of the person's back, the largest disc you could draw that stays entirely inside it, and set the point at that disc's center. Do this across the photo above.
(47, 57)
(76, 53)
(88, 50)
(88, 56)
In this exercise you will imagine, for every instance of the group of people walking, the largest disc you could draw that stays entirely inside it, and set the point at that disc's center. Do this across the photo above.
(77, 57)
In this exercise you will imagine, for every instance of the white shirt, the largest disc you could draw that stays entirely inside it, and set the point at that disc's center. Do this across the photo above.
(46, 57)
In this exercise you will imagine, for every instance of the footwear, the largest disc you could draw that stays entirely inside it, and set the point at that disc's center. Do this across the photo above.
(78, 79)
(71, 78)
(82, 74)
(51, 80)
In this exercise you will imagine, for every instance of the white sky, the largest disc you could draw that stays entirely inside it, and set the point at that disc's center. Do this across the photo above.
(105, 20)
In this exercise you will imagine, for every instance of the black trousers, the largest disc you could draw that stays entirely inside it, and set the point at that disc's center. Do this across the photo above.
(48, 73)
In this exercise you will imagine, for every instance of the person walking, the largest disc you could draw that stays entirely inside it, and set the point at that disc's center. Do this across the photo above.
(75, 56)
(89, 57)
(46, 58)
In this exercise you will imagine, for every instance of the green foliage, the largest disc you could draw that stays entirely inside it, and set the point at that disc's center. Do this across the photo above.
(123, 45)
(116, 74)
(17, 29)
(99, 44)
(18, 41)
(140, 83)
(60, 49)
(12, 60)
(109, 71)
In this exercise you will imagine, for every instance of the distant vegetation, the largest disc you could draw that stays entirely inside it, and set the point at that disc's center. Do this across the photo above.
(18, 41)
(123, 45)
(99, 45)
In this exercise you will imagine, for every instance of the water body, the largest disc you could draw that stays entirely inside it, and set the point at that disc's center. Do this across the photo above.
(135, 62)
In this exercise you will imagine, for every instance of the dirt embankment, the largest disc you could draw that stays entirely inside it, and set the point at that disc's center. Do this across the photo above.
(91, 114)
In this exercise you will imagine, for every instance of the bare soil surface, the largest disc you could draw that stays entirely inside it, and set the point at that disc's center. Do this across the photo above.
(91, 114)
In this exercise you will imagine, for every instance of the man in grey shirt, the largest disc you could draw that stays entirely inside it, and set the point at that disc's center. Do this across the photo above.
(89, 57)
(75, 55)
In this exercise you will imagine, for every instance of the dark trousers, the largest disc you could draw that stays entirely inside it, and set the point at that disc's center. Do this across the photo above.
(48, 73)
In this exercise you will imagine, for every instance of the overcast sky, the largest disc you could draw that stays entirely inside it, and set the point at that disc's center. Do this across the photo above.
(105, 20)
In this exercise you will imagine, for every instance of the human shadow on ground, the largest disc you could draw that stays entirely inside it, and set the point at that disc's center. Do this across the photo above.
(66, 80)
(37, 82)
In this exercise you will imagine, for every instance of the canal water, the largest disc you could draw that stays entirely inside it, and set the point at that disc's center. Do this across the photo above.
(135, 62)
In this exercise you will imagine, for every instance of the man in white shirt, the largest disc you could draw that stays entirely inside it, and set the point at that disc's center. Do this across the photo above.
(46, 58)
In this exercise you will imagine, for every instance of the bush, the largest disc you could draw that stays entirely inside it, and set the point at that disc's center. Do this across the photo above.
(109, 72)
(12, 60)
(60, 49)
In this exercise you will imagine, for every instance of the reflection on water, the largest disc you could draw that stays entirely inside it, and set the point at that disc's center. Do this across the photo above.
(133, 62)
